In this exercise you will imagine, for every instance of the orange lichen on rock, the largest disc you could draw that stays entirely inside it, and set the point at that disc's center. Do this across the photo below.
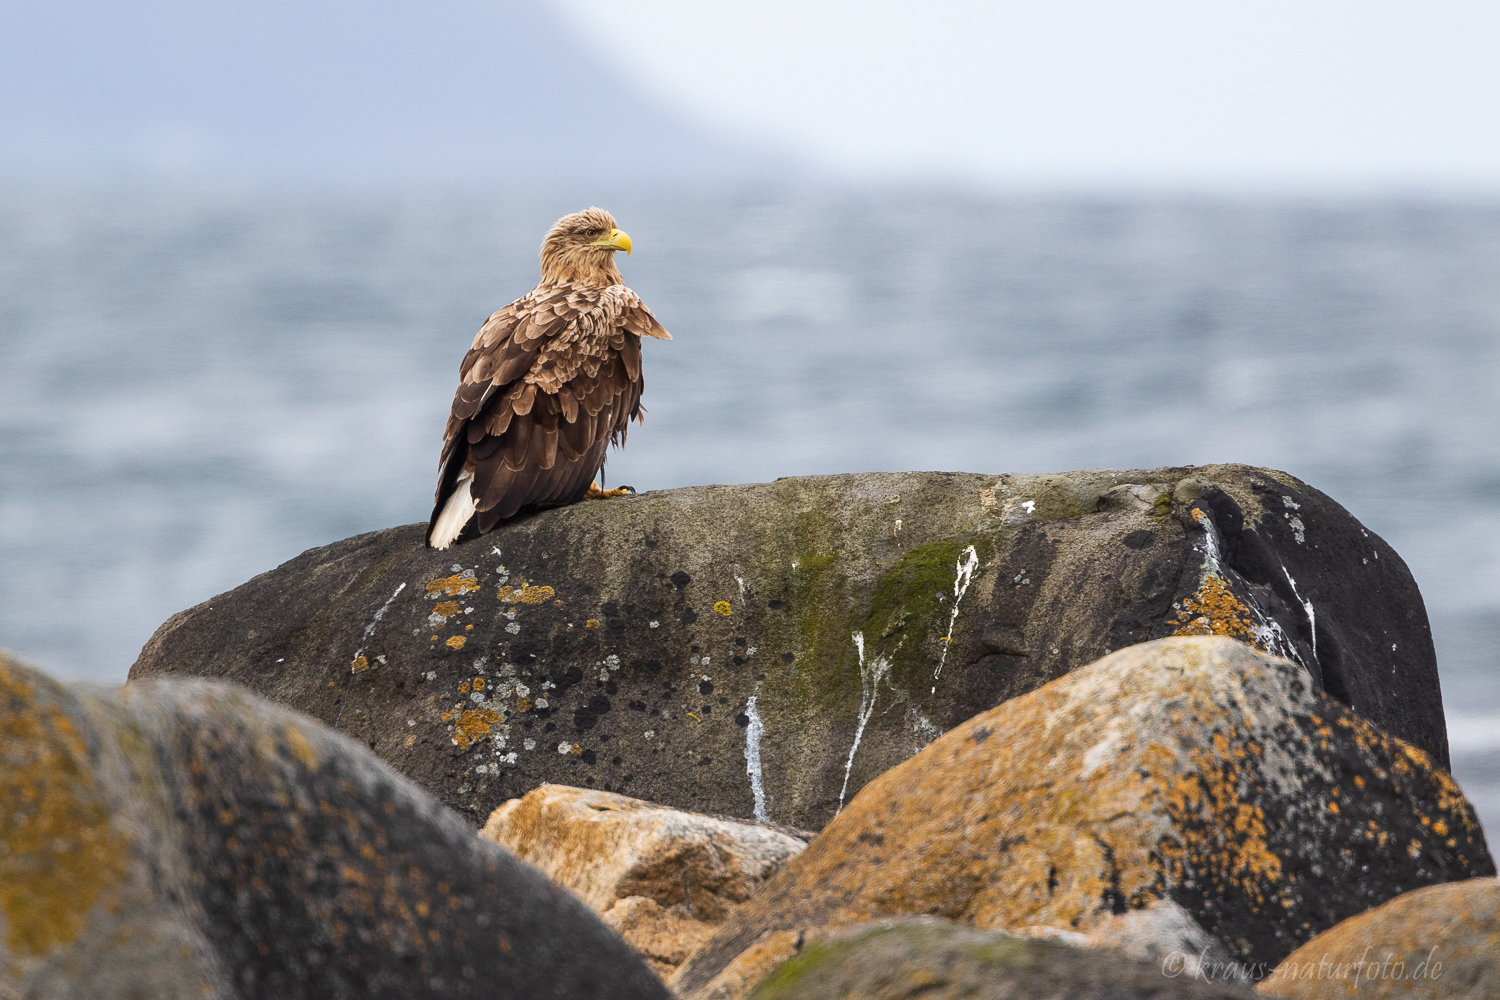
(60, 855)
(526, 593)
(454, 586)
(1215, 609)
(1217, 819)
(764, 954)
(1437, 942)
(446, 608)
(474, 724)
(456, 642)
(1186, 771)
(359, 664)
(139, 827)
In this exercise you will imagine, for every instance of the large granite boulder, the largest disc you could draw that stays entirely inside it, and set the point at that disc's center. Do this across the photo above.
(936, 960)
(662, 878)
(1441, 942)
(766, 650)
(188, 840)
(1197, 771)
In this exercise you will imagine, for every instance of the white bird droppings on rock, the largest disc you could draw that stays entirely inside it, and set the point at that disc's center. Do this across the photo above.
(869, 688)
(753, 733)
(965, 568)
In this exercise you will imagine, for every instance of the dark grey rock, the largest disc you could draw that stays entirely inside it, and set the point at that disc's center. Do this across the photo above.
(646, 645)
(186, 839)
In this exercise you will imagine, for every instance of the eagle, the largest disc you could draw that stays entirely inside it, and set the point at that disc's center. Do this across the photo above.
(550, 382)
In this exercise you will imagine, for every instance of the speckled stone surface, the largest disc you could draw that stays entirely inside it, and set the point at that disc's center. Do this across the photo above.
(767, 649)
(1196, 770)
(186, 839)
(1441, 942)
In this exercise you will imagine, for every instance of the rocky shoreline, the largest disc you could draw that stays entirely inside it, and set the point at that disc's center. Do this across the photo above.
(768, 740)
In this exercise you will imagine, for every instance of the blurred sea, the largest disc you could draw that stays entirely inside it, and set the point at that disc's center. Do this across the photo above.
(196, 386)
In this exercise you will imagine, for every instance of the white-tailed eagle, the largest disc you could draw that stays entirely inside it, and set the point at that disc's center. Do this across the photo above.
(550, 381)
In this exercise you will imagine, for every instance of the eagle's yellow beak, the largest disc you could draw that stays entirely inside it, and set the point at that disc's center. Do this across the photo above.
(615, 240)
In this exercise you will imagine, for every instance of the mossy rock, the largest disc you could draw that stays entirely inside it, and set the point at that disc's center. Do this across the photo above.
(653, 645)
(936, 960)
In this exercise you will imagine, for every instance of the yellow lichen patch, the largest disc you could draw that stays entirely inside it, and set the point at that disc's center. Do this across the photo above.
(723, 608)
(523, 704)
(477, 684)
(536, 594)
(447, 609)
(359, 665)
(591, 623)
(463, 687)
(456, 642)
(300, 747)
(454, 586)
(474, 724)
(1215, 609)
(59, 853)
(526, 593)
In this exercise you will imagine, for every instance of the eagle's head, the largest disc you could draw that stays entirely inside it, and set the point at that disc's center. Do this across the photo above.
(581, 247)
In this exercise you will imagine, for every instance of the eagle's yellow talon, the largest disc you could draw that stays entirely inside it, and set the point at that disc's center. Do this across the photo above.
(595, 493)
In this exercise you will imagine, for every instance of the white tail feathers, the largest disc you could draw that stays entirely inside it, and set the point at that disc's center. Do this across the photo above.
(456, 513)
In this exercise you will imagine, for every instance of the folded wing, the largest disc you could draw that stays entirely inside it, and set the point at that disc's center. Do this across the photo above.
(550, 381)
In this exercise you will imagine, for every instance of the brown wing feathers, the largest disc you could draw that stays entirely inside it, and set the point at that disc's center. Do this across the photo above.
(549, 382)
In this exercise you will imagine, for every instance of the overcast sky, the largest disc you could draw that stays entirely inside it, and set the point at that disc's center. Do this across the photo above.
(1300, 92)
(1310, 94)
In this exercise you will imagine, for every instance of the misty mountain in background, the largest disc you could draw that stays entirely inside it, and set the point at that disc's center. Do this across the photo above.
(337, 90)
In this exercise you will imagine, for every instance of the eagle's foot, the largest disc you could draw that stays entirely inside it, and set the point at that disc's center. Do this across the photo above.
(595, 493)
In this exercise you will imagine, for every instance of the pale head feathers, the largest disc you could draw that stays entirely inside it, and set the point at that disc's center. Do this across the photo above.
(571, 251)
